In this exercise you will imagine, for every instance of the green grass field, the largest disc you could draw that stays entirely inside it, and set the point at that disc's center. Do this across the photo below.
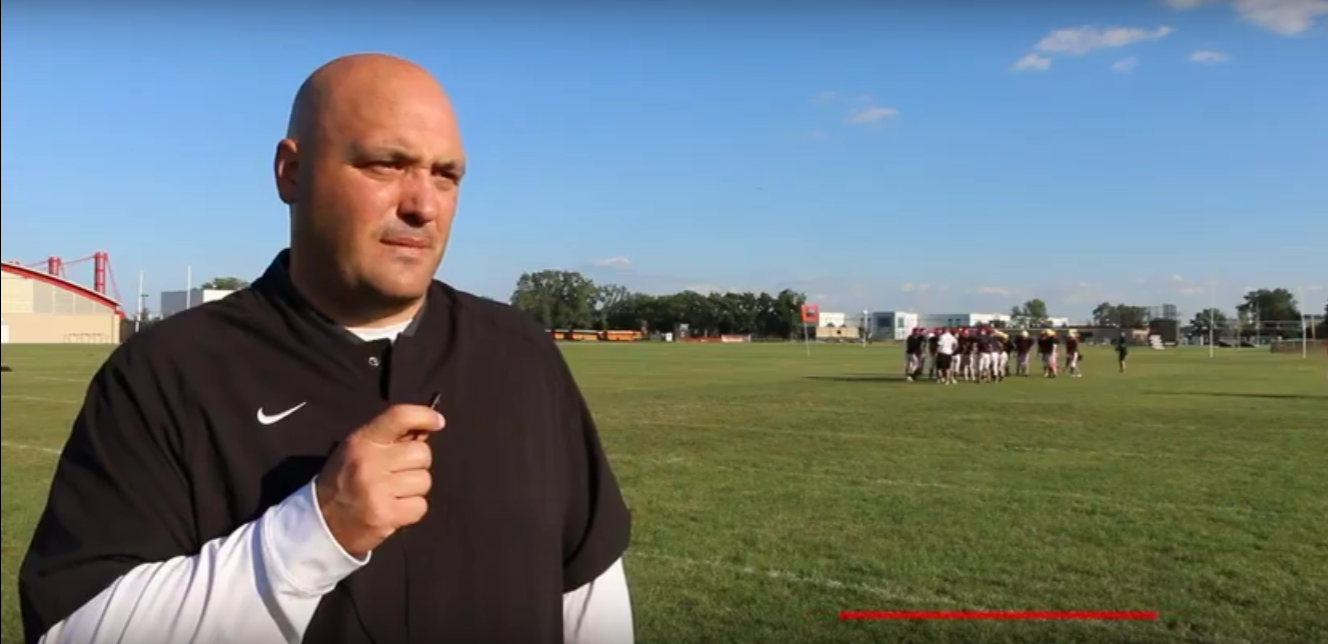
(771, 490)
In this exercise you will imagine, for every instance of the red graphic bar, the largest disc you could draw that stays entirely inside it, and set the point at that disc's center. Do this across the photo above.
(846, 616)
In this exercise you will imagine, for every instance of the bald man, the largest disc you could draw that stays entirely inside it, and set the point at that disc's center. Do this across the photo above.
(349, 451)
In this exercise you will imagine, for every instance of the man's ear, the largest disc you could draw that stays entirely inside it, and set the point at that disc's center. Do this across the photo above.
(286, 171)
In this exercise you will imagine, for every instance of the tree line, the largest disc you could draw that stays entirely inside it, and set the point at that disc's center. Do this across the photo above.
(1262, 312)
(1269, 312)
(1034, 313)
(570, 300)
(567, 300)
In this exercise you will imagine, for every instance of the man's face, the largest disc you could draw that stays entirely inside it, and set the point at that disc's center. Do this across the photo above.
(377, 190)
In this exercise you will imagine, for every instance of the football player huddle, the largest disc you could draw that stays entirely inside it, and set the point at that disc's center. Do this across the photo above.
(985, 354)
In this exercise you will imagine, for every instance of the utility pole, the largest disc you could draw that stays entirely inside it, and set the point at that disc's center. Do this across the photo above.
(138, 318)
(1304, 328)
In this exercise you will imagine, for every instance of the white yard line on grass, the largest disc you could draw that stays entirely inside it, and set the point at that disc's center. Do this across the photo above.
(801, 580)
(783, 407)
(29, 448)
(58, 401)
(883, 592)
(926, 439)
(835, 475)
(24, 376)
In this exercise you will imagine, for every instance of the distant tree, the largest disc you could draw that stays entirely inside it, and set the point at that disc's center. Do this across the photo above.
(1276, 308)
(607, 298)
(225, 284)
(1030, 313)
(559, 299)
(1105, 315)
(1036, 310)
(1272, 305)
(569, 300)
(1121, 315)
(1208, 319)
(1132, 317)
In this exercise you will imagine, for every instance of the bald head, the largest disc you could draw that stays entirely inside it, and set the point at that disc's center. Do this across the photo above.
(357, 83)
(370, 167)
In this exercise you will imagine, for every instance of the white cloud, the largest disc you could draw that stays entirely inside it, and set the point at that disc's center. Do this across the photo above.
(825, 96)
(1125, 65)
(1031, 62)
(1191, 291)
(1286, 17)
(995, 290)
(871, 114)
(907, 288)
(1081, 40)
(1208, 56)
(1175, 277)
(617, 262)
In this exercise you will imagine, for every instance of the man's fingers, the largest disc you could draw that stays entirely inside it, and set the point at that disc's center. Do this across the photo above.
(412, 455)
(411, 484)
(400, 421)
(410, 510)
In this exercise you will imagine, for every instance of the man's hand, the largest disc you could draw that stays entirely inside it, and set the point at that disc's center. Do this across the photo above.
(377, 480)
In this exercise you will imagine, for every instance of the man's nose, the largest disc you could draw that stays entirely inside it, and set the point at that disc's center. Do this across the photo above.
(419, 198)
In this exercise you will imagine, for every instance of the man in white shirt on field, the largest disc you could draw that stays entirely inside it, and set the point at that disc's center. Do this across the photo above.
(945, 354)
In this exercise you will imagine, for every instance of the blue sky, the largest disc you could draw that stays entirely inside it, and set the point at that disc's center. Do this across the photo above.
(874, 155)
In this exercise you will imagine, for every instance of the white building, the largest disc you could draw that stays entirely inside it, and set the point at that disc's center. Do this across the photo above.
(897, 325)
(932, 320)
(1049, 322)
(4, 331)
(836, 320)
(891, 325)
(173, 302)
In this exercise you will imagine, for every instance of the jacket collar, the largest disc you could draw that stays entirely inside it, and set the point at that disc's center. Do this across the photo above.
(277, 285)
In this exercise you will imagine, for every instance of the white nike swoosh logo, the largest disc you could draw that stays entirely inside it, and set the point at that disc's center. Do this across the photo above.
(276, 418)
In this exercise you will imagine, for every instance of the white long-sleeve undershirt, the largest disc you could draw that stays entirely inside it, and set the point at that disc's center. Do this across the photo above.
(262, 584)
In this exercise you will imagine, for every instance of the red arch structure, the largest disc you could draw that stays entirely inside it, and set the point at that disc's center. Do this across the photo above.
(62, 283)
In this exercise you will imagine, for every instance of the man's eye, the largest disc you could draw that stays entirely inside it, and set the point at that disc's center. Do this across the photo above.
(385, 165)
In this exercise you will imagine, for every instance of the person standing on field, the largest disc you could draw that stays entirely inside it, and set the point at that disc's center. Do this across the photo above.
(348, 451)
(946, 346)
(1072, 355)
(933, 344)
(913, 350)
(1023, 349)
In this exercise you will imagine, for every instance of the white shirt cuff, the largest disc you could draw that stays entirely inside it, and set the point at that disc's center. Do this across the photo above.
(302, 556)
